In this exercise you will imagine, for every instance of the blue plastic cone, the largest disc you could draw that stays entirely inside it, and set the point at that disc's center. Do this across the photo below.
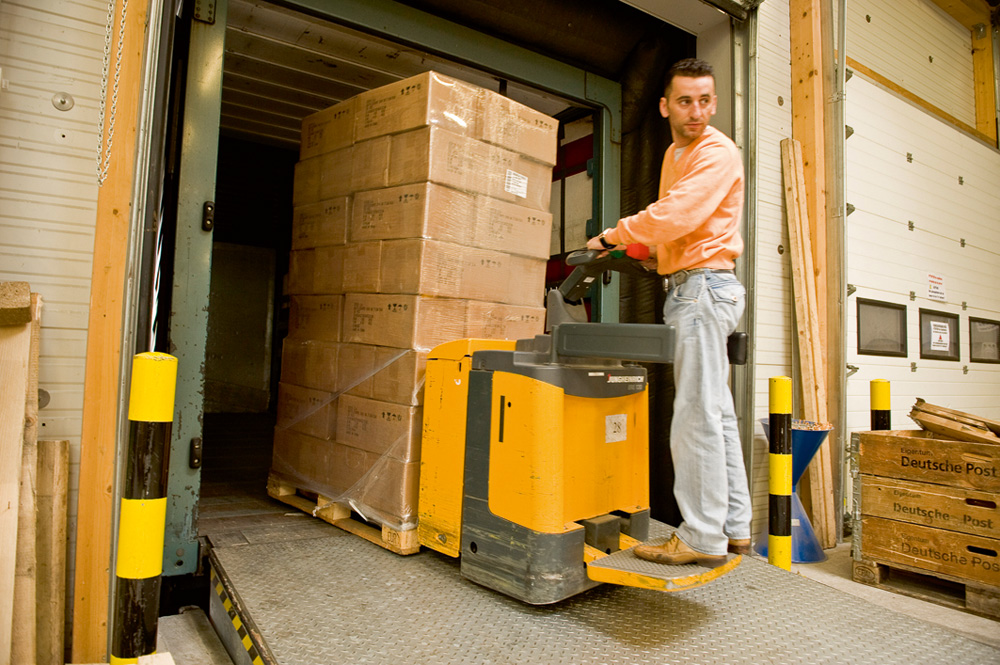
(805, 443)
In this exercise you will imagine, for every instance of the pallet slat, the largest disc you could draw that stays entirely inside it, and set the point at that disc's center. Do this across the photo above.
(339, 515)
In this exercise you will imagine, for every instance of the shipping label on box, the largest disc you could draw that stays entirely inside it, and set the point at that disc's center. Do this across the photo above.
(383, 428)
(965, 556)
(316, 317)
(327, 130)
(519, 128)
(488, 320)
(514, 178)
(362, 263)
(419, 210)
(306, 182)
(916, 455)
(425, 99)
(322, 223)
(312, 412)
(405, 321)
(335, 172)
(937, 506)
(509, 227)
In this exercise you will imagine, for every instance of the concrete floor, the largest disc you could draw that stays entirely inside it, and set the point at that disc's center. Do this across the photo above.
(836, 572)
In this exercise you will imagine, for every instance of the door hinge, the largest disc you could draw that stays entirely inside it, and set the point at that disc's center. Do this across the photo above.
(194, 460)
(208, 216)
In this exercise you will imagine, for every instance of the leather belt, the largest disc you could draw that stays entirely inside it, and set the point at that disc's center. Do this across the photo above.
(681, 276)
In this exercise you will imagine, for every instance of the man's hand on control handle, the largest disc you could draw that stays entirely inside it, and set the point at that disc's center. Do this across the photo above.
(595, 243)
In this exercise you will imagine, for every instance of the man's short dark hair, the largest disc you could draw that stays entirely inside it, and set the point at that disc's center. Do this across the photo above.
(689, 67)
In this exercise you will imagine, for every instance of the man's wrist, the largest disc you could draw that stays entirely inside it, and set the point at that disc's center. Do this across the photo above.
(604, 241)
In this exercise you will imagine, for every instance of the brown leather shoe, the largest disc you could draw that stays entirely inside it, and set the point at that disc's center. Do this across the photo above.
(674, 552)
(740, 546)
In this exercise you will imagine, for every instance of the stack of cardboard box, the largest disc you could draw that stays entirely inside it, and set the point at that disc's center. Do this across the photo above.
(421, 217)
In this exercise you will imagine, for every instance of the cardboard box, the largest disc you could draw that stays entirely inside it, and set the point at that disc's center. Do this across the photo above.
(305, 410)
(936, 506)
(301, 272)
(405, 321)
(311, 364)
(336, 170)
(328, 130)
(397, 376)
(370, 164)
(362, 265)
(425, 99)
(487, 320)
(383, 428)
(917, 455)
(519, 128)
(306, 182)
(316, 317)
(321, 223)
(419, 210)
(527, 281)
(960, 555)
(382, 488)
(434, 268)
(469, 165)
(508, 227)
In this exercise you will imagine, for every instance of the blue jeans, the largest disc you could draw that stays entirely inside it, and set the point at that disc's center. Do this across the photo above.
(710, 482)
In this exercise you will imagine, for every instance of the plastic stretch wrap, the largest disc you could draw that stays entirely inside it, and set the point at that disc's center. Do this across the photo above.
(436, 212)
(421, 217)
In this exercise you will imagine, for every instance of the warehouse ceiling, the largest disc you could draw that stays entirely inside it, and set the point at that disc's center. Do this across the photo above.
(281, 65)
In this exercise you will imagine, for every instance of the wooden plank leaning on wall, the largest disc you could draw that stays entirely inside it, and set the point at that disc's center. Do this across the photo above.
(104, 334)
(15, 357)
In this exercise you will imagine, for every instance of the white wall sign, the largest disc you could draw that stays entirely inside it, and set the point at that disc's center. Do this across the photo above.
(935, 287)
(940, 336)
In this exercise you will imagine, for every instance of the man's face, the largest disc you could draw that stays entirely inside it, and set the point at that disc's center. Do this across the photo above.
(689, 107)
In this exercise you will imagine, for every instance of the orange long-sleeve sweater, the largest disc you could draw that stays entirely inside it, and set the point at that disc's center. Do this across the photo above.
(696, 221)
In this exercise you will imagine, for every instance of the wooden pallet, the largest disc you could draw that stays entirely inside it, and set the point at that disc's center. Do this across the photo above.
(340, 515)
(937, 588)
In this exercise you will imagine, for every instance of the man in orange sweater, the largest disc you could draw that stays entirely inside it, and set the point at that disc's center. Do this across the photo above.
(693, 231)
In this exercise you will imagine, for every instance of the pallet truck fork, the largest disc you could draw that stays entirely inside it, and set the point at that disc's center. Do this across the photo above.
(535, 453)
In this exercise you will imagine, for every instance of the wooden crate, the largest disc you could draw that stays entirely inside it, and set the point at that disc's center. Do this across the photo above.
(919, 456)
(927, 522)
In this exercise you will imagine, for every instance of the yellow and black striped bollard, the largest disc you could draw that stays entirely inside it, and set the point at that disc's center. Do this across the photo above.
(779, 528)
(142, 518)
(880, 405)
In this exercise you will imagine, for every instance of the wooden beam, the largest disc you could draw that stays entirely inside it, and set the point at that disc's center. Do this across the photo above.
(966, 12)
(24, 648)
(877, 78)
(104, 334)
(985, 86)
(15, 356)
(15, 303)
(53, 492)
(809, 95)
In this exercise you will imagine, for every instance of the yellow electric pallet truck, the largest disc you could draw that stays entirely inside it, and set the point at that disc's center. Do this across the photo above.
(535, 453)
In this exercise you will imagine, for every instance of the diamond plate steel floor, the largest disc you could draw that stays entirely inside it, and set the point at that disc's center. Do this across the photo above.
(339, 599)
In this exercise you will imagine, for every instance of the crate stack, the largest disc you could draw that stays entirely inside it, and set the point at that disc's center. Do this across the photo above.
(421, 217)
(927, 516)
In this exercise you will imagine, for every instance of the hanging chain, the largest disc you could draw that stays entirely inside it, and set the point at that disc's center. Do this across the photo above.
(104, 151)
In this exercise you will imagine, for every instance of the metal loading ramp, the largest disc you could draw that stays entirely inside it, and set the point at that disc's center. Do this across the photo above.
(340, 599)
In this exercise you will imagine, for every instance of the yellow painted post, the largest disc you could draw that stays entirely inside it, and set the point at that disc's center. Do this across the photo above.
(880, 405)
(779, 532)
(142, 518)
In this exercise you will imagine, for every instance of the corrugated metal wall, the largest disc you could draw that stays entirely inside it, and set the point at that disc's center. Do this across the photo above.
(48, 190)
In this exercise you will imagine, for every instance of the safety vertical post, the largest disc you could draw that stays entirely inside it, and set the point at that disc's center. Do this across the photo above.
(142, 515)
(779, 532)
(880, 405)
